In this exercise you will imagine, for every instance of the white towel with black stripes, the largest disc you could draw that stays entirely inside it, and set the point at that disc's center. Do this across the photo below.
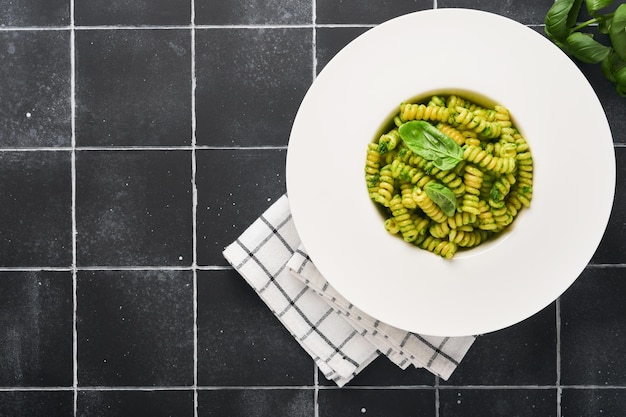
(341, 339)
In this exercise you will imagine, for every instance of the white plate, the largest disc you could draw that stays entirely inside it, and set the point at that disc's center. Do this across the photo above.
(495, 285)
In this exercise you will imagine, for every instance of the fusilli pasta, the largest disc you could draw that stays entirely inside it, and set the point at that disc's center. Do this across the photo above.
(473, 201)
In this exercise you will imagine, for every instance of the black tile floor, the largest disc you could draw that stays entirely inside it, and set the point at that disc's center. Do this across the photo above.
(138, 138)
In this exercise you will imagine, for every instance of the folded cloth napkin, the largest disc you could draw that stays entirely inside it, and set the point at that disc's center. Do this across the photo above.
(341, 339)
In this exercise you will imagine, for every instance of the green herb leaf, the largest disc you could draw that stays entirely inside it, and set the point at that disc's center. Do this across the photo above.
(430, 143)
(604, 26)
(586, 49)
(442, 196)
(594, 5)
(560, 17)
(612, 65)
(562, 29)
(617, 31)
(620, 78)
(607, 70)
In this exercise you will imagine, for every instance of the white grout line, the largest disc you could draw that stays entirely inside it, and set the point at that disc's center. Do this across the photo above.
(144, 148)
(167, 268)
(317, 388)
(437, 399)
(171, 268)
(35, 269)
(194, 209)
(74, 227)
(314, 37)
(316, 382)
(559, 390)
(183, 27)
(135, 268)
(316, 391)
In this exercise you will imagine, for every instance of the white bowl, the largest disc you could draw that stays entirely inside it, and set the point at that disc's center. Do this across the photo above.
(497, 284)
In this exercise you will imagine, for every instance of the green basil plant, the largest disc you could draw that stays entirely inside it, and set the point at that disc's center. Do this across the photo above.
(562, 28)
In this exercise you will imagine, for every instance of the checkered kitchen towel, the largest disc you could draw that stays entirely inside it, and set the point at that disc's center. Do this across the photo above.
(340, 338)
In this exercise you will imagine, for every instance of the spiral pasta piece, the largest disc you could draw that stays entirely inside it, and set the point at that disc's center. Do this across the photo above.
(467, 119)
(473, 141)
(403, 154)
(372, 167)
(473, 178)
(524, 189)
(423, 112)
(486, 220)
(386, 187)
(421, 223)
(452, 181)
(453, 101)
(453, 133)
(441, 247)
(406, 190)
(388, 141)
(485, 160)
(468, 239)
(500, 189)
(391, 226)
(502, 217)
(437, 101)
(502, 115)
(440, 230)
(460, 220)
(469, 204)
(428, 206)
(506, 149)
(402, 219)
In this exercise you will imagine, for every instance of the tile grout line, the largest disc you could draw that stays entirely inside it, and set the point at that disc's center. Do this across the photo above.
(180, 148)
(437, 398)
(559, 388)
(194, 206)
(176, 268)
(314, 38)
(73, 210)
(144, 148)
(316, 391)
(316, 382)
(182, 27)
(313, 388)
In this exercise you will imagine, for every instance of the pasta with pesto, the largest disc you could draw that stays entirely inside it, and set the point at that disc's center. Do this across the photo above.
(449, 174)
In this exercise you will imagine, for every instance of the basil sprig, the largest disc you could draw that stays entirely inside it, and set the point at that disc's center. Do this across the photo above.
(561, 28)
(442, 196)
(430, 143)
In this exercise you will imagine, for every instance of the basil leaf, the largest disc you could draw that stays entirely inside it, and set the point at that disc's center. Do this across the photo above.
(607, 70)
(572, 16)
(605, 25)
(612, 66)
(617, 31)
(586, 49)
(620, 77)
(430, 143)
(442, 196)
(560, 17)
(594, 5)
